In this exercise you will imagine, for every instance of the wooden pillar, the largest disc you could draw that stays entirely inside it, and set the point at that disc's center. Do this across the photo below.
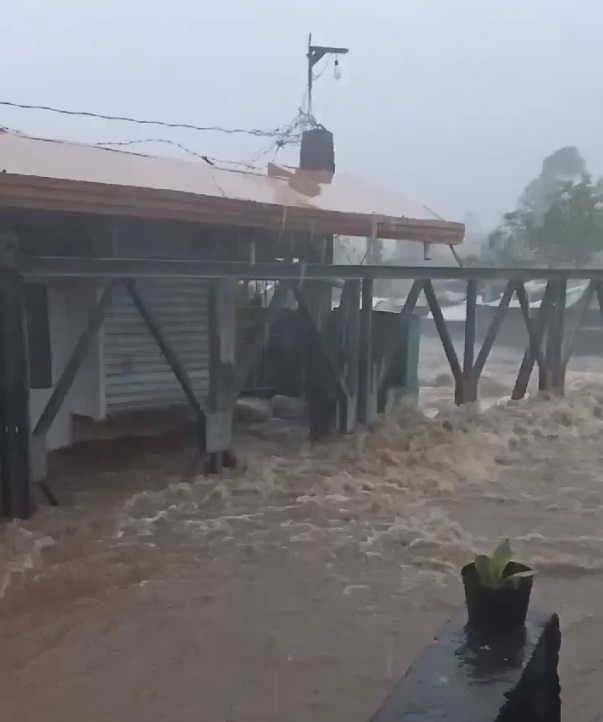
(348, 403)
(467, 391)
(222, 372)
(534, 350)
(367, 400)
(444, 334)
(16, 495)
(555, 337)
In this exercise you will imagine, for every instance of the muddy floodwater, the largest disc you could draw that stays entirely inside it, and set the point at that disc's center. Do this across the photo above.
(301, 586)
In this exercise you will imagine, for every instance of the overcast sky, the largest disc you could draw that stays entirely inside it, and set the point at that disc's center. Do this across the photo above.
(449, 103)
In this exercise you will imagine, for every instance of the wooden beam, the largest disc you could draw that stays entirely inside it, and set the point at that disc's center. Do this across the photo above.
(222, 369)
(171, 357)
(534, 339)
(529, 358)
(320, 346)
(492, 332)
(250, 354)
(366, 382)
(582, 309)
(76, 359)
(16, 487)
(348, 410)
(444, 334)
(555, 338)
(36, 267)
(467, 391)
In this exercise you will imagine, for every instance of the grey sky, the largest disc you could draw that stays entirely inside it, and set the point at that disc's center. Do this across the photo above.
(450, 103)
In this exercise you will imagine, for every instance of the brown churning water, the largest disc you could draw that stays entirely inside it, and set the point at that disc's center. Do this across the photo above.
(304, 584)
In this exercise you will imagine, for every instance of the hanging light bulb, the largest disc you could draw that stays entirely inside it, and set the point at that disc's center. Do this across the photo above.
(336, 70)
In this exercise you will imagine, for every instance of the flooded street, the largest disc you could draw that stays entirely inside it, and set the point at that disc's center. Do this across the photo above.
(301, 586)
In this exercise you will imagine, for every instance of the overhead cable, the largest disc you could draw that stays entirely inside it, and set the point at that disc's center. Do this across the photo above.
(139, 121)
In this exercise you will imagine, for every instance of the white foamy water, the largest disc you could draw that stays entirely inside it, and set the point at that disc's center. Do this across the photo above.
(336, 552)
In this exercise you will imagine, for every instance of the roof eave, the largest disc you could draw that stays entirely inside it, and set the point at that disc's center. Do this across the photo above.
(51, 194)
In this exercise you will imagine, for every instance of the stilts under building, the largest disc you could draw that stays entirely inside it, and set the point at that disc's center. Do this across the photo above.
(120, 290)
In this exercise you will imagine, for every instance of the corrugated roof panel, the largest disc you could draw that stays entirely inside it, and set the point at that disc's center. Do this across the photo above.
(42, 171)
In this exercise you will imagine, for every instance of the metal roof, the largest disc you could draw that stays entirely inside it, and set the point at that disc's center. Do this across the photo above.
(50, 174)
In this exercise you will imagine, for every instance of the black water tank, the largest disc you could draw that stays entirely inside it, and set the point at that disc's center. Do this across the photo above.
(317, 150)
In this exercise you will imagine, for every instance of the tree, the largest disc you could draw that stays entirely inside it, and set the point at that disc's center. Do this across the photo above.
(508, 244)
(564, 228)
(565, 164)
(571, 231)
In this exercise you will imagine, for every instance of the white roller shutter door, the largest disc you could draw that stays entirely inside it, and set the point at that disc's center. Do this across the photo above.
(137, 376)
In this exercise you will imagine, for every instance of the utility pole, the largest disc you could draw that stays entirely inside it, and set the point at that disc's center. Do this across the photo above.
(315, 54)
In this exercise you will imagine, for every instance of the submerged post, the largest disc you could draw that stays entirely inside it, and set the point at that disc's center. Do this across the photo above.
(16, 497)
(367, 403)
(222, 372)
(555, 338)
(466, 392)
(350, 361)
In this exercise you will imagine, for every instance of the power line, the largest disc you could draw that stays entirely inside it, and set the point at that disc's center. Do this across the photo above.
(285, 135)
(138, 121)
(166, 141)
(105, 146)
(109, 145)
(252, 162)
(209, 159)
(289, 135)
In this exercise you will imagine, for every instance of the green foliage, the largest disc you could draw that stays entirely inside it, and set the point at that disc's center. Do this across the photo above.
(490, 569)
(571, 231)
(565, 229)
(509, 244)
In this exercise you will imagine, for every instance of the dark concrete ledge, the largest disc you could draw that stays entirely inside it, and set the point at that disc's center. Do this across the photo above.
(465, 677)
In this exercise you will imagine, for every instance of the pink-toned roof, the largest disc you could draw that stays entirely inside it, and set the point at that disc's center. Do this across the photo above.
(59, 175)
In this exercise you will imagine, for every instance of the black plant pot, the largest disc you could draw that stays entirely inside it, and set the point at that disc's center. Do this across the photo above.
(497, 610)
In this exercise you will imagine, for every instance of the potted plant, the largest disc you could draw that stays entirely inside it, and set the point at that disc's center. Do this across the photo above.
(497, 590)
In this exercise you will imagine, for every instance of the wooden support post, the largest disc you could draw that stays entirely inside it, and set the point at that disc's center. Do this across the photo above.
(320, 347)
(472, 370)
(250, 355)
(333, 388)
(367, 400)
(583, 308)
(222, 372)
(16, 495)
(349, 369)
(467, 391)
(75, 361)
(555, 338)
(534, 349)
(318, 293)
(492, 331)
(444, 334)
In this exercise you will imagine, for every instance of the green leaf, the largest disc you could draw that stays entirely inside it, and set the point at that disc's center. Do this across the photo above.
(501, 557)
(483, 566)
(513, 579)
